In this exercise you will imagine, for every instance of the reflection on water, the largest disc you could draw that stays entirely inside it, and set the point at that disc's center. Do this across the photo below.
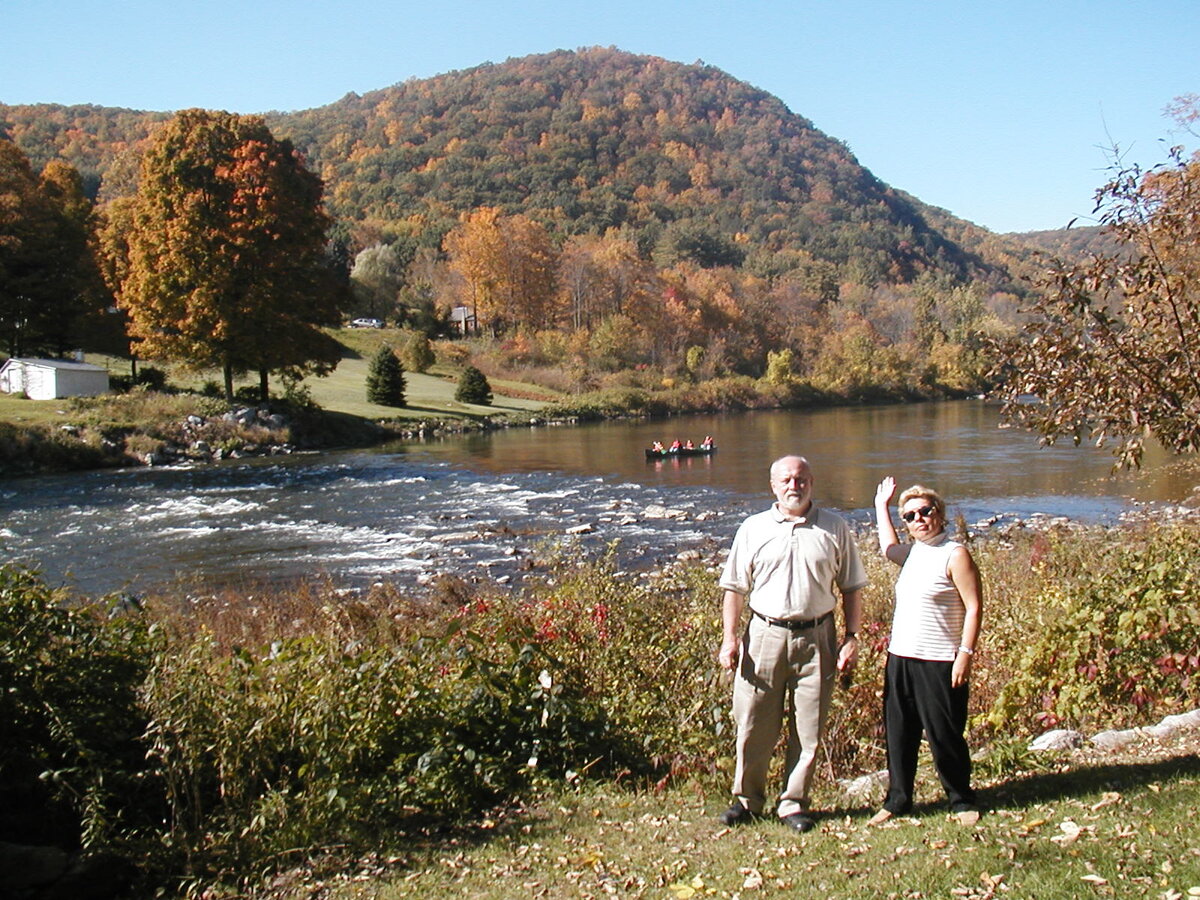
(957, 447)
(488, 504)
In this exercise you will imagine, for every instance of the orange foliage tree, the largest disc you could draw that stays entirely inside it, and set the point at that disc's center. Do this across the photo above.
(508, 264)
(225, 265)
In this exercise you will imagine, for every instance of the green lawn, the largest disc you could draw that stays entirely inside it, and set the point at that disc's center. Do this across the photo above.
(429, 395)
(20, 411)
(1098, 830)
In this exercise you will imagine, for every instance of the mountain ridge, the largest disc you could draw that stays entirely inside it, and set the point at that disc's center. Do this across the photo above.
(585, 141)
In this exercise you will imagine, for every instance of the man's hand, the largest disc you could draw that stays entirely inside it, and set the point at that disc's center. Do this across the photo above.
(847, 656)
(728, 654)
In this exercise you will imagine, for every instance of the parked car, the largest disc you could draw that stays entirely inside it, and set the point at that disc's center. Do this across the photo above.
(367, 323)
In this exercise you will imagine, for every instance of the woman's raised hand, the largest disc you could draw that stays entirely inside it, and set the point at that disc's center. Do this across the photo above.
(883, 493)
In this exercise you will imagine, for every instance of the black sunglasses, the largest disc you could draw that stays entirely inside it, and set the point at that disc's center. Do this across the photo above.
(922, 511)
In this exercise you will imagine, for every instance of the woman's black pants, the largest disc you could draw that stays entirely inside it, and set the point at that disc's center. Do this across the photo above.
(917, 697)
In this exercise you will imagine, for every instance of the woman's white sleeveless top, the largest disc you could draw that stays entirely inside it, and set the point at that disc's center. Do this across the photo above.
(928, 619)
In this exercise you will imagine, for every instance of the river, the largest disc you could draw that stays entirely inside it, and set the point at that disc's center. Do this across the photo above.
(489, 505)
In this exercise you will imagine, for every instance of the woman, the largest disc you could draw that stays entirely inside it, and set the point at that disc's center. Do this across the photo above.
(935, 630)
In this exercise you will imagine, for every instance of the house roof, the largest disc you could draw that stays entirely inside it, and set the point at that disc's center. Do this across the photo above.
(55, 364)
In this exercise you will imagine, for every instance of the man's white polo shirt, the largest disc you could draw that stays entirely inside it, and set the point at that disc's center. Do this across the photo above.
(789, 568)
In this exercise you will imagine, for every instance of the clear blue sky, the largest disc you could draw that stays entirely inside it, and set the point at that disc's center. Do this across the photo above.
(997, 110)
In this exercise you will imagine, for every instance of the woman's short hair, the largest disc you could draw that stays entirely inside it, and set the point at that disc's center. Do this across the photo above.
(927, 494)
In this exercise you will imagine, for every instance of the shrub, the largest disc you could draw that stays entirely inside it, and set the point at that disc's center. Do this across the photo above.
(72, 768)
(385, 378)
(44, 448)
(1117, 636)
(304, 740)
(473, 387)
(416, 352)
(151, 378)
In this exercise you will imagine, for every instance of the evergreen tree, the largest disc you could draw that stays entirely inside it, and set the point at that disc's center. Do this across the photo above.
(385, 378)
(473, 387)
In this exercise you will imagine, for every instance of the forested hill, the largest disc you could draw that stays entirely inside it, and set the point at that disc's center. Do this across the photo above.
(686, 158)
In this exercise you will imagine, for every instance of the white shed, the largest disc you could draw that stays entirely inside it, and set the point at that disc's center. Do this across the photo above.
(49, 379)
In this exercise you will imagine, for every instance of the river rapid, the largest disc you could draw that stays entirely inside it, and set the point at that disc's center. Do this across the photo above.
(492, 505)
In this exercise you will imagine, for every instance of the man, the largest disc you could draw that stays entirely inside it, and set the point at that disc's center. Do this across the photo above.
(788, 561)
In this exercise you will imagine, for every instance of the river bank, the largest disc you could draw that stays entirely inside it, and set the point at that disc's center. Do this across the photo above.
(146, 427)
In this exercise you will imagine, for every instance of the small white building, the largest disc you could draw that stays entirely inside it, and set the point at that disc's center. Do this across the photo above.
(463, 320)
(49, 379)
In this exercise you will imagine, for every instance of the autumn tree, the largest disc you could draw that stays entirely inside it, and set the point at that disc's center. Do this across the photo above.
(508, 264)
(78, 314)
(602, 276)
(226, 259)
(474, 250)
(48, 277)
(1112, 349)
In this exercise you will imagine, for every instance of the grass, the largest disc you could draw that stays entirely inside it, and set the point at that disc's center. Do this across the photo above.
(1098, 830)
(428, 395)
(32, 413)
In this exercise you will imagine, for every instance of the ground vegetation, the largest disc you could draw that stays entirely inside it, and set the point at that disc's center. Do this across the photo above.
(382, 718)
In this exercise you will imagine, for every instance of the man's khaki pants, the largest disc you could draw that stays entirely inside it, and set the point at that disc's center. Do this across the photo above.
(781, 673)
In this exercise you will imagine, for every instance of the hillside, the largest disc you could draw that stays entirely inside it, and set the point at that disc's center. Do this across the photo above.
(1074, 243)
(585, 141)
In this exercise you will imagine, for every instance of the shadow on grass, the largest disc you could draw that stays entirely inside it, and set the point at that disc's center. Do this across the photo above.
(1043, 787)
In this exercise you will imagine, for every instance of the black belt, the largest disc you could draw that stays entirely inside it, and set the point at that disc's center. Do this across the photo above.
(795, 624)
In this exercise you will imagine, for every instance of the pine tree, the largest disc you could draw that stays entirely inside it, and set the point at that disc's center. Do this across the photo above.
(473, 387)
(385, 378)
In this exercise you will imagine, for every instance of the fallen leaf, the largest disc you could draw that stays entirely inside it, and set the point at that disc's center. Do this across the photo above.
(1108, 798)
(1094, 879)
(753, 881)
(682, 891)
(1070, 833)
